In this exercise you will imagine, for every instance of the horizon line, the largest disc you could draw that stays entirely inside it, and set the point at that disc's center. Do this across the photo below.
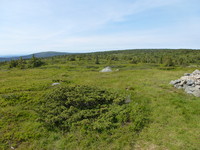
(96, 51)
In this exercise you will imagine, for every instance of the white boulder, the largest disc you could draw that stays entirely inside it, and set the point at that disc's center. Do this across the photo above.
(54, 84)
(107, 69)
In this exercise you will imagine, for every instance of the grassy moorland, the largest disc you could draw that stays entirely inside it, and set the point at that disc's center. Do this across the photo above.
(88, 110)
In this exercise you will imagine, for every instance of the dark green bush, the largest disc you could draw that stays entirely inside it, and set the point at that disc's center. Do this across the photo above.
(88, 108)
(35, 62)
(14, 99)
(13, 63)
(65, 107)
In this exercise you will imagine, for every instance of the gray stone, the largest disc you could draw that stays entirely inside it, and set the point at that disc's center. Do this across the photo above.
(197, 76)
(190, 82)
(177, 86)
(180, 87)
(189, 89)
(54, 84)
(173, 82)
(184, 86)
(185, 78)
(197, 87)
(190, 92)
(12, 147)
(197, 83)
(196, 92)
(187, 74)
(182, 82)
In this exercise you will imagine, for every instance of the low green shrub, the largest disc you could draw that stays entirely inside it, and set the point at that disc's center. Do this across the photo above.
(13, 99)
(88, 108)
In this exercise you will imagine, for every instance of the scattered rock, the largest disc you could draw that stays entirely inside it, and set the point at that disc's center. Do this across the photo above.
(12, 147)
(54, 84)
(128, 99)
(190, 82)
(107, 69)
(187, 74)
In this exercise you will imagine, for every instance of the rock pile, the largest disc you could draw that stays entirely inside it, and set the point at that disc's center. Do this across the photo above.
(190, 82)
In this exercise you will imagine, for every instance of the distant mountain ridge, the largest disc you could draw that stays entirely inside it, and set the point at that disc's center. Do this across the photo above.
(38, 55)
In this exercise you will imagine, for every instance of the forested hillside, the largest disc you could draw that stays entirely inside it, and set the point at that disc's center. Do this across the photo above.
(38, 55)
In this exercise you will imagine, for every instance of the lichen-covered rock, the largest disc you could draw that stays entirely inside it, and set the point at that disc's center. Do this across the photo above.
(190, 82)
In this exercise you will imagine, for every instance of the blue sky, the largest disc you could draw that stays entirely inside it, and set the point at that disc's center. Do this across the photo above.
(30, 26)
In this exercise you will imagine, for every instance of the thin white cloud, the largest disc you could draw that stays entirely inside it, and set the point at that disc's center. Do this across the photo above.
(63, 25)
(179, 36)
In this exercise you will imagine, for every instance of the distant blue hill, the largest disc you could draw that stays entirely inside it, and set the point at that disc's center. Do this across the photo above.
(38, 55)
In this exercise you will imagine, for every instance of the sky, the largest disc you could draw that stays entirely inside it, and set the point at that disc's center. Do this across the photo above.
(30, 26)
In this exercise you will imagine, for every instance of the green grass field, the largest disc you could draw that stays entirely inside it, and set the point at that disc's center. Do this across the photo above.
(164, 117)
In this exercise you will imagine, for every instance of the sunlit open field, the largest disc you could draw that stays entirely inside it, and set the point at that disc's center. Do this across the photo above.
(158, 116)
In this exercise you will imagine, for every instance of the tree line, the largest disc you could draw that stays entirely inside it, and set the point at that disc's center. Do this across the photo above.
(163, 57)
(23, 63)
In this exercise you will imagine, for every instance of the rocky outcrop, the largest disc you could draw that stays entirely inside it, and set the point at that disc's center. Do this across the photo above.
(190, 82)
